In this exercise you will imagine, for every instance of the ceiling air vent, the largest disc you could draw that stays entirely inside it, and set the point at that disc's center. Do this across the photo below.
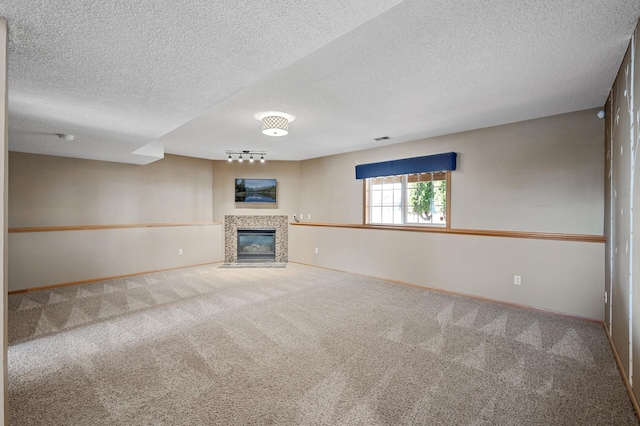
(382, 138)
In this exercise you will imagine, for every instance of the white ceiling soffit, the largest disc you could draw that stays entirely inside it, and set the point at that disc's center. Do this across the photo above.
(192, 74)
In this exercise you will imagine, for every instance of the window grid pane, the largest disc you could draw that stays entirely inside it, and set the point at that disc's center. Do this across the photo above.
(409, 199)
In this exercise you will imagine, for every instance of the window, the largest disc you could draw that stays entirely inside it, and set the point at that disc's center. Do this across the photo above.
(412, 199)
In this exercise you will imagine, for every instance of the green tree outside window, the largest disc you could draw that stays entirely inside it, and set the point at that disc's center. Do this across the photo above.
(426, 198)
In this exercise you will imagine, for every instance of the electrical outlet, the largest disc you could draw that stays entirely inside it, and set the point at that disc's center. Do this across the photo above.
(517, 280)
(316, 250)
(309, 216)
(180, 252)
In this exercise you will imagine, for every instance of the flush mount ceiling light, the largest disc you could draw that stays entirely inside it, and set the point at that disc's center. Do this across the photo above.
(275, 123)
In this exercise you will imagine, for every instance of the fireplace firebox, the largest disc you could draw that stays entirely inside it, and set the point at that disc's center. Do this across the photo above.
(256, 245)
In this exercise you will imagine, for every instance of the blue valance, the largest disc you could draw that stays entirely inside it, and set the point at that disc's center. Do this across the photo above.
(428, 163)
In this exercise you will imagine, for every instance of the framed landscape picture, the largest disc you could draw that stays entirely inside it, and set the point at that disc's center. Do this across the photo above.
(255, 190)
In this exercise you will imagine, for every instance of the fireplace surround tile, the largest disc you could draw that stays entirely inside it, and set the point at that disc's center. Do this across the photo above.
(234, 222)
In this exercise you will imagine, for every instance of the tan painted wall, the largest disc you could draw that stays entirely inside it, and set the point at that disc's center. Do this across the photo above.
(540, 175)
(48, 191)
(53, 191)
(623, 254)
(287, 174)
(47, 258)
(556, 275)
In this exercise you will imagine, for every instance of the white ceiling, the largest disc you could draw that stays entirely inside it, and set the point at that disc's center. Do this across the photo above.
(190, 75)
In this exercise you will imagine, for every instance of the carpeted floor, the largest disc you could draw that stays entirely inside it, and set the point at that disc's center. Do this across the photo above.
(299, 345)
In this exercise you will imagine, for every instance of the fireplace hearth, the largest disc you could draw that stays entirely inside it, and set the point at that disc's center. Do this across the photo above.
(256, 245)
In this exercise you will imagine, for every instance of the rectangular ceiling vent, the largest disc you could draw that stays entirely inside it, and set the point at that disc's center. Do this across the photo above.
(382, 138)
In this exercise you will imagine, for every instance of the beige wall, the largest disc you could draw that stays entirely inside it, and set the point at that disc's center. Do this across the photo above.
(47, 258)
(556, 275)
(623, 184)
(51, 191)
(541, 175)
(55, 191)
(287, 174)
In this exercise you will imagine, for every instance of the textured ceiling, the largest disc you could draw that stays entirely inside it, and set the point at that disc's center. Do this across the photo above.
(191, 75)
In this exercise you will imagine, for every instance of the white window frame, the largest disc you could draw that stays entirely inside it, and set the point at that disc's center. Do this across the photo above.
(404, 181)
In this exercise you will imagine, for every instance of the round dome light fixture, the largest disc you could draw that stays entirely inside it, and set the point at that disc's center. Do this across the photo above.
(275, 123)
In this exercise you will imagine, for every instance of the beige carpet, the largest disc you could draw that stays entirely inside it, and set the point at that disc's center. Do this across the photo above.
(299, 345)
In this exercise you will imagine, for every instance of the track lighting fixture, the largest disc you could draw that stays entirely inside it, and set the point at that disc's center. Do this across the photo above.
(245, 153)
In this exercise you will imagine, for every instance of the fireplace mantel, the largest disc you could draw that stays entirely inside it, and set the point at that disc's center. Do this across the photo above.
(277, 222)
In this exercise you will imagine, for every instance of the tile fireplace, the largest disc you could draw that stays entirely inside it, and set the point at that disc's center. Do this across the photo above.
(238, 246)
